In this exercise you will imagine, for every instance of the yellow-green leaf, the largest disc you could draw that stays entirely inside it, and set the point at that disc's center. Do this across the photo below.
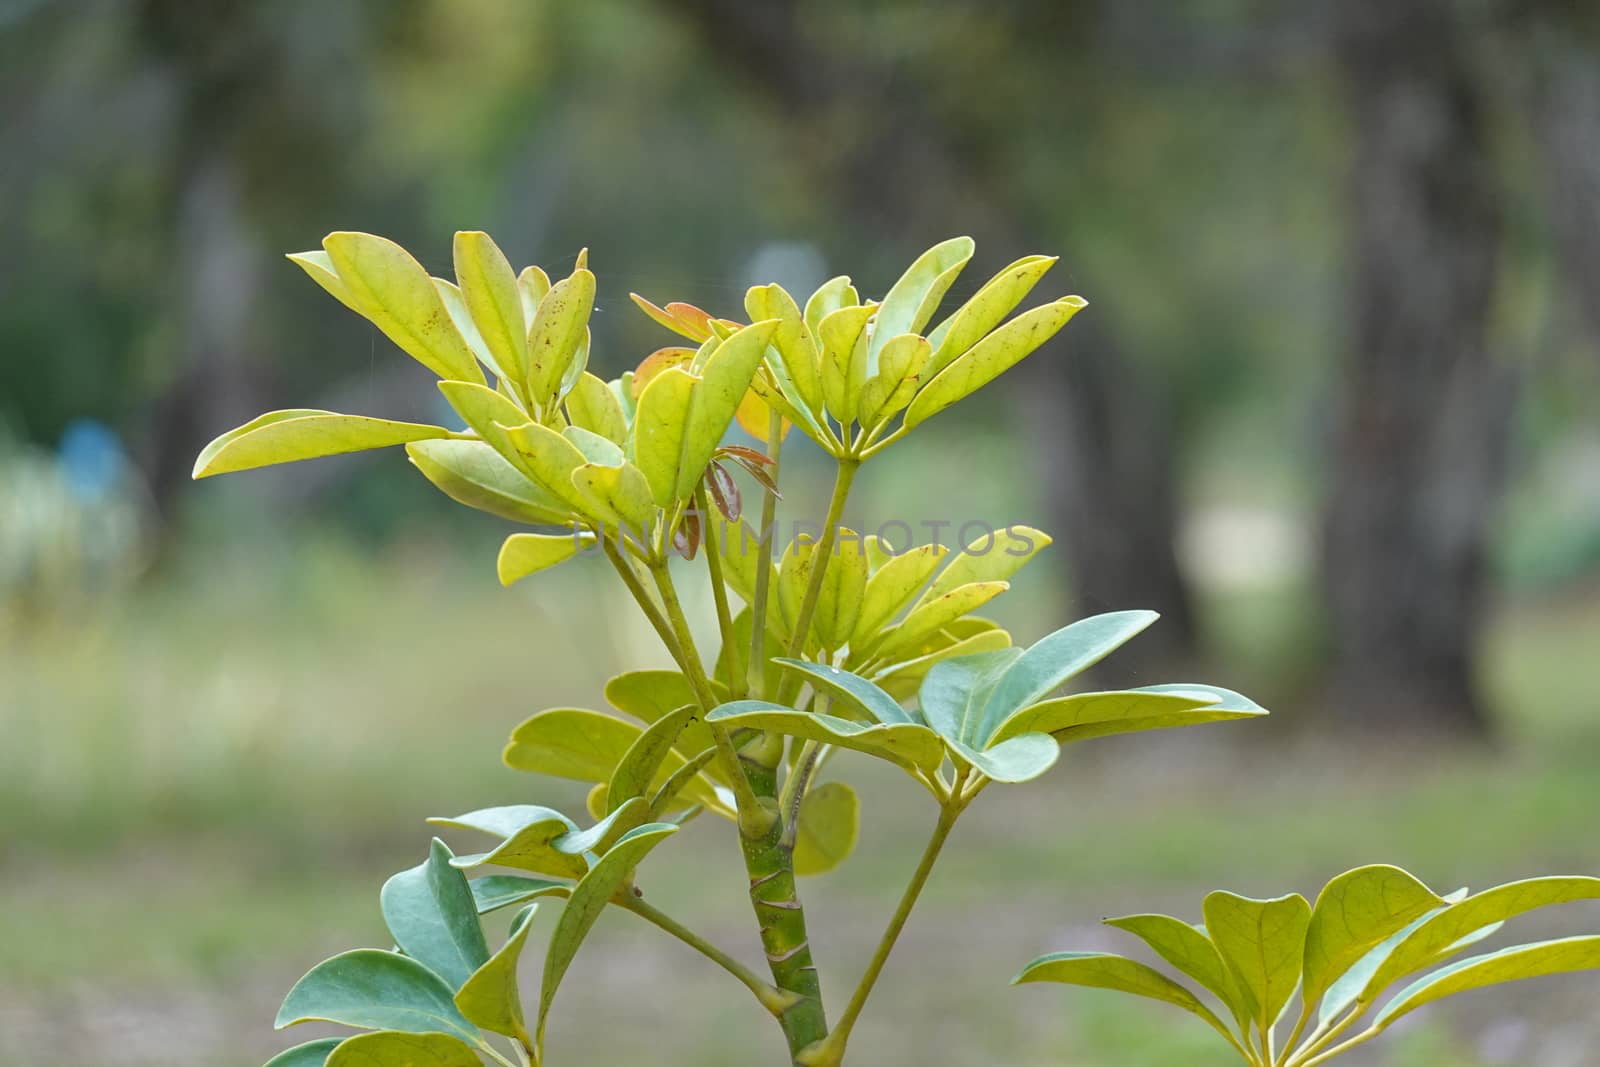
(528, 834)
(558, 330)
(797, 351)
(826, 832)
(659, 427)
(482, 408)
(396, 1048)
(1099, 970)
(723, 381)
(1353, 913)
(843, 334)
(991, 357)
(1508, 965)
(1263, 943)
(934, 615)
(390, 288)
(987, 309)
(992, 558)
(907, 745)
(1189, 950)
(839, 598)
(524, 554)
(492, 297)
(831, 295)
(552, 458)
(912, 300)
(899, 366)
(585, 746)
(592, 405)
(532, 284)
(893, 585)
(492, 997)
(623, 489)
(317, 264)
(303, 433)
(475, 474)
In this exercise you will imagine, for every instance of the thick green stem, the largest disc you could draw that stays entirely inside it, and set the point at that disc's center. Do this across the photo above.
(821, 556)
(830, 1051)
(768, 863)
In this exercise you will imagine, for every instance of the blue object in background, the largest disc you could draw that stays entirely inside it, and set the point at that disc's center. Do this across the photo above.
(92, 459)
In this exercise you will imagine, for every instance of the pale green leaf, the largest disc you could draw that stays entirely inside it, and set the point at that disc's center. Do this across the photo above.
(923, 620)
(1020, 759)
(317, 264)
(528, 833)
(912, 300)
(475, 474)
(991, 357)
(902, 680)
(585, 746)
(524, 554)
(310, 1054)
(905, 744)
(495, 891)
(492, 997)
(1346, 989)
(639, 768)
(622, 489)
(1424, 944)
(955, 691)
(1189, 950)
(556, 332)
(390, 288)
(395, 1048)
(797, 350)
(551, 459)
(456, 305)
(592, 405)
(831, 295)
(489, 289)
(1355, 912)
(588, 900)
(994, 557)
(839, 598)
(826, 832)
(1508, 965)
(532, 284)
(863, 697)
(481, 408)
(651, 695)
(987, 309)
(303, 433)
(432, 916)
(843, 337)
(1083, 716)
(893, 585)
(1263, 943)
(900, 367)
(1099, 970)
(375, 990)
(660, 426)
(1057, 657)
(723, 381)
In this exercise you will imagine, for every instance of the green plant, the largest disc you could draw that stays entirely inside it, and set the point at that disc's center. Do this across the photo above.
(1370, 928)
(833, 638)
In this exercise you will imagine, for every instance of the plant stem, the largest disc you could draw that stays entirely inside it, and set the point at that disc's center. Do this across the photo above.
(1294, 1036)
(758, 604)
(738, 681)
(1324, 1037)
(771, 997)
(751, 813)
(820, 557)
(647, 603)
(770, 866)
(794, 789)
(1340, 1049)
(830, 1051)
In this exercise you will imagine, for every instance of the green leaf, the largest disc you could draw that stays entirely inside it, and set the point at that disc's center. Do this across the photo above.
(492, 998)
(593, 406)
(1457, 921)
(905, 744)
(826, 832)
(1263, 943)
(912, 300)
(317, 264)
(482, 408)
(1353, 913)
(310, 1054)
(303, 433)
(1053, 659)
(992, 558)
(991, 357)
(843, 336)
(392, 290)
(660, 426)
(588, 900)
(375, 990)
(1508, 965)
(955, 691)
(899, 373)
(585, 746)
(495, 891)
(666, 799)
(863, 696)
(432, 916)
(395, 1048)
(901, 680)
(724, 380)
(1189, 950)
(556, 333)
(1348, 986)
(532, 284)
(528, 834)
(843, 585)
(606, 832)
(620, 488)
(475, 474)
(1083, 716)
(489, 290)
(523, 554)
(893, 585)
(934, 615)
(1098, 970)
(551, 459)
(641, 764)
(796, 348)
(1020, 759)
(651, 695)
(831, 295)
(987, 309)
(461, 318)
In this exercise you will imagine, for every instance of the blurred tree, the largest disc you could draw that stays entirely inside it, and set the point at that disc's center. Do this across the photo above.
(1420, 451)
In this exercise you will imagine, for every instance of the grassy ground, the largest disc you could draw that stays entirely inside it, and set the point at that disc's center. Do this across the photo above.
(202, 787)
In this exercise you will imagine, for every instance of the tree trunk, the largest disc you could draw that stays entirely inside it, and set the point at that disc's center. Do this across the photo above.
(1419, 465)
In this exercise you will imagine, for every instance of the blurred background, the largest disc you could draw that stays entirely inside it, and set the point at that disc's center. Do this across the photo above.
(1334, 410)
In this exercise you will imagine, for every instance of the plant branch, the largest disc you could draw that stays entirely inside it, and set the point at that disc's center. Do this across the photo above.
(757, 667)
(794, 789)
(1340, 1049)
(647, 603)
(830, 1051)
(775, 1000)
(737, 685)
(820, 558)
